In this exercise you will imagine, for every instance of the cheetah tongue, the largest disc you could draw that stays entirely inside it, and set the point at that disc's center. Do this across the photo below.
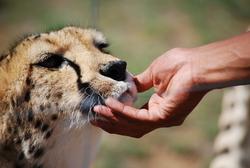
(128, 97)
(88, 103)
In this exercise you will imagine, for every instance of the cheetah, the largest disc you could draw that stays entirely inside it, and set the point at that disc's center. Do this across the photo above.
(49, 84)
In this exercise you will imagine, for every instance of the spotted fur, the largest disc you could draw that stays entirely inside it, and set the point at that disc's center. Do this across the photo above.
(45, 106)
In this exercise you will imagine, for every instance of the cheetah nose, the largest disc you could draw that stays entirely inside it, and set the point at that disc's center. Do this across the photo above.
(115, 70)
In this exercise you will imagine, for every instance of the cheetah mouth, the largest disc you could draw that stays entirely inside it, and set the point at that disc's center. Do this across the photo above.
(125, 92)
(92, 99)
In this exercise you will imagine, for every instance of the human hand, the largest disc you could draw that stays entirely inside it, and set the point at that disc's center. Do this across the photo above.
(180, 77)
(172, 76)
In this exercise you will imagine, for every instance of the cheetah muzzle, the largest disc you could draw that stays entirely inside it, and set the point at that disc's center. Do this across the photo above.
(49, 84)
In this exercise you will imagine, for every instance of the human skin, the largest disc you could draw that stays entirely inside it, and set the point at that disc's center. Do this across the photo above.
(181, 77)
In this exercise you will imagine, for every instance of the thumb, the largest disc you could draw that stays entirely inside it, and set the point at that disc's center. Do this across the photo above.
(144, 81)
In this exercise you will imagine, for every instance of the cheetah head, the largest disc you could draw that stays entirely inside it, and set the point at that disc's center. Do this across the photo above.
(69, 72)
(50, 82)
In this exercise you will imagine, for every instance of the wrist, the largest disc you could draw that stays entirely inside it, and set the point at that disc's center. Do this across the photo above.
(222, 64)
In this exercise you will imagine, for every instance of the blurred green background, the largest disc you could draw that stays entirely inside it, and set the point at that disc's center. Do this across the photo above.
(140, 31)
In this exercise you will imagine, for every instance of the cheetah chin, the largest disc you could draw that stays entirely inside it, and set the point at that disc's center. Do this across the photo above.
(49, 84)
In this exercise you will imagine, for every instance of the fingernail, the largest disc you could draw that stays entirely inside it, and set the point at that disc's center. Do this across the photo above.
(97, 108)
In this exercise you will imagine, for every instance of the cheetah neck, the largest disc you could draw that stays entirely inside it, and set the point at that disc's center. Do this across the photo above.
(65, 148)
(72, 148)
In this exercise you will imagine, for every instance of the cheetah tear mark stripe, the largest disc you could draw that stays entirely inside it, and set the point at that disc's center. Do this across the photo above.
(92, 97)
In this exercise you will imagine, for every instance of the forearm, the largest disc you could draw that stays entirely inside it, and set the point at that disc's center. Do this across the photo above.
(224, 63)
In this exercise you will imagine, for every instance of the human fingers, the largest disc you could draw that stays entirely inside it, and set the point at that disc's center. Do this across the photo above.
(127, 111)
(106, 113)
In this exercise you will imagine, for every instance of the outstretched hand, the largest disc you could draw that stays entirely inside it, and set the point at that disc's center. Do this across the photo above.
(171, 75)
(179, 77)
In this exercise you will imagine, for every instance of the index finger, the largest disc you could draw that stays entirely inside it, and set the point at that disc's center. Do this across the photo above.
(131, 112)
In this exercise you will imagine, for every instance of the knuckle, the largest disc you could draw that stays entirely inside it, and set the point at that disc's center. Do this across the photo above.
(177, 50)
(180, 53)
(123, 108)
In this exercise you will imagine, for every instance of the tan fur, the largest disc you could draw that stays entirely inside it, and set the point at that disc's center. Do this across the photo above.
(51, 93)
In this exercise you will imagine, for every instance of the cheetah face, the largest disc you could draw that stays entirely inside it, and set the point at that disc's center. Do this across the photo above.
(70, 72)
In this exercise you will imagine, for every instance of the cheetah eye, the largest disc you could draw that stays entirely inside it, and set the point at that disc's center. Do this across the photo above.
(102, 47)
(52, 61)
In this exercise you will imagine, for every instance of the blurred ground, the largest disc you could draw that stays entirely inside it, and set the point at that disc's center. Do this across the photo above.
(138, 32)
